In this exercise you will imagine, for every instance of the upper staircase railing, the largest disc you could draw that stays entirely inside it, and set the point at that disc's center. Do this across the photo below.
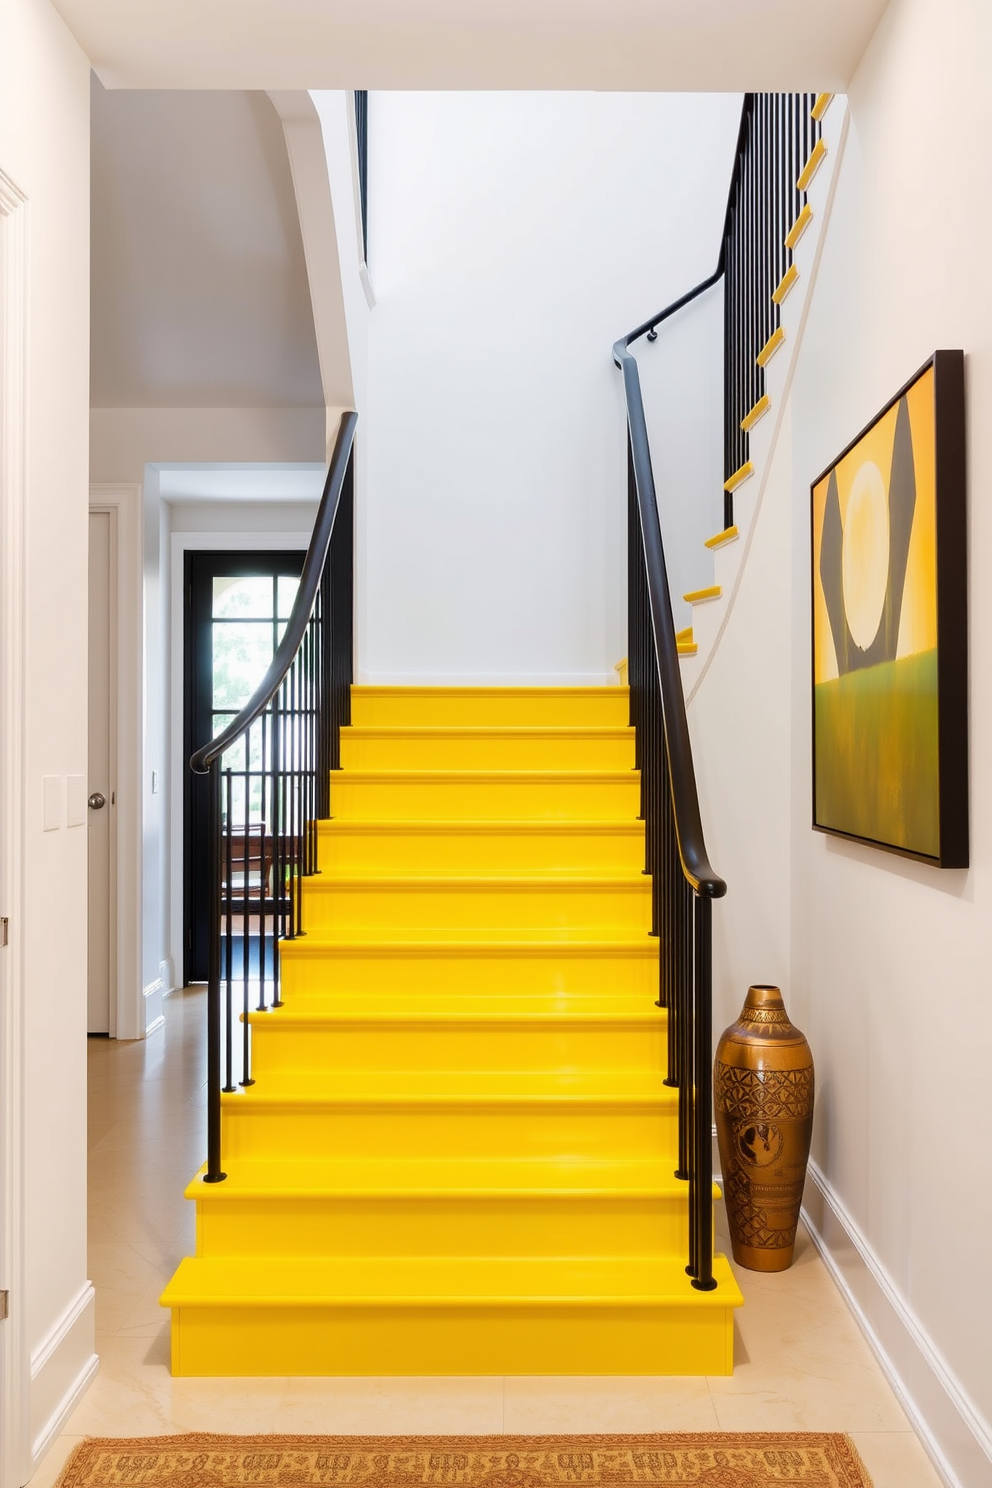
(763, 222)
(269, 785)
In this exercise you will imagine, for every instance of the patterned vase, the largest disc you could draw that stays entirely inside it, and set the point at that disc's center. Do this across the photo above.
(763, 1090)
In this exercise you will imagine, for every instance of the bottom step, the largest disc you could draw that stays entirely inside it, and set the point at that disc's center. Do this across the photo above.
(444, 1316)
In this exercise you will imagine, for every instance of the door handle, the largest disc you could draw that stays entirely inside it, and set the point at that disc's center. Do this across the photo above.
(96, 800)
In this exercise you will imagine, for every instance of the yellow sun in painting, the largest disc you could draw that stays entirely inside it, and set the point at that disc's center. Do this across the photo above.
(865, 561)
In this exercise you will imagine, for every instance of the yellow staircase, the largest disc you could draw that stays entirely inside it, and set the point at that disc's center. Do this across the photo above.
(458, 1153)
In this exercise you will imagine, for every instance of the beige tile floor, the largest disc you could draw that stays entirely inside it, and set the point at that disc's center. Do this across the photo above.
(802, 1364)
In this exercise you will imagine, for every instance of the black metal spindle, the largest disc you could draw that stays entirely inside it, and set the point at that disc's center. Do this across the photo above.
(214, 1173)
(265, 870)
(229, 1085)
(246, 1078)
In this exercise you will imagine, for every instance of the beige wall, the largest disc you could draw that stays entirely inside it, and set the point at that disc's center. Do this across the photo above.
(885, 962)
(44, 151)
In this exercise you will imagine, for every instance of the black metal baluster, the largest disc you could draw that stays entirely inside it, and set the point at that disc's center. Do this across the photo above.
(228, 940)
(264, 871)
(214, 1173)
(703, 1156)
(246, 1078)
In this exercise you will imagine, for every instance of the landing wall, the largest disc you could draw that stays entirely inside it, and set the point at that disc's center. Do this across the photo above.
(885, 963)
(512, 238)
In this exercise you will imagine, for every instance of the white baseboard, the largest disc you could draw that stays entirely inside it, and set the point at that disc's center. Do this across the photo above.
(487, 679)
(152, 997)
(954, 1434)
(167, 976)
(62, 1367)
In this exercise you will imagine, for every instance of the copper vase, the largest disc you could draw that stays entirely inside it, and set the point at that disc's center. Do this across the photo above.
(763, 1091)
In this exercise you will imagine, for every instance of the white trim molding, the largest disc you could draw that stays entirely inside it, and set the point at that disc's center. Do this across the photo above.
(955, 1435)
(123, 502)
(152, 997)
(14, 224)
(62, 1367)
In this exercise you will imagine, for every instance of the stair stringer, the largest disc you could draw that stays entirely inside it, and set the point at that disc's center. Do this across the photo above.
(712, 616)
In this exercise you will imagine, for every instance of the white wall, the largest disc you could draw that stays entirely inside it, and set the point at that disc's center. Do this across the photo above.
(885, 963)
(44, 138)
(129, 445)
(682, 385)
(512, 238)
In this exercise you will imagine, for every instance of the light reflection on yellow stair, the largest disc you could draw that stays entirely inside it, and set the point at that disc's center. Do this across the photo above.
(458, 1154)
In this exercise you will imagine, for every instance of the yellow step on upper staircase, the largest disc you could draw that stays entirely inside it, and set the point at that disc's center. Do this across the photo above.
(458, 1153)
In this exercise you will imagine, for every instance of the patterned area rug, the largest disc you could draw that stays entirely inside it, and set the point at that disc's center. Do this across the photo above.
(673, 1460)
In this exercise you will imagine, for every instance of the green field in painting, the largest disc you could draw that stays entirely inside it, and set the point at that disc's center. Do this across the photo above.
(876, 753)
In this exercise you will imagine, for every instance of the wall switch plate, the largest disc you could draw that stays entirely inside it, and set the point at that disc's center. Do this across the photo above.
(75, 803)
(52, 808)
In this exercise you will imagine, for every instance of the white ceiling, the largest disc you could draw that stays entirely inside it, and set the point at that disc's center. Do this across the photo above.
(636, 45)
(199, 286)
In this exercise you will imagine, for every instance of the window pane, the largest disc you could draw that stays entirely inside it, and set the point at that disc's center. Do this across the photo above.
(241, 654)
(234, 758)
(288, 585)
(243, 599)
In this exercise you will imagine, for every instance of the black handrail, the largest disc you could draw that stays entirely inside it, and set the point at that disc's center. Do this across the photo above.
(265, 801)
(747, 110)
(313, 567)
(763, 202)
(685, 798)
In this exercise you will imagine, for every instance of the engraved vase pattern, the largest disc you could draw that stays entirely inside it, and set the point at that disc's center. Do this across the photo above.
(763, 1089)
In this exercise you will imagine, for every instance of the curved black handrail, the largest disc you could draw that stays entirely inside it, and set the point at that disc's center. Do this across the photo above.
(313, 567)
(682, 776)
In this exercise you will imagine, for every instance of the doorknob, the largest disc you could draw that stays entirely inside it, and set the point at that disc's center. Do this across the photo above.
(96, 800)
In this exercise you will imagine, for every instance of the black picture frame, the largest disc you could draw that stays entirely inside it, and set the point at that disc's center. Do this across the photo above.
(883, 779)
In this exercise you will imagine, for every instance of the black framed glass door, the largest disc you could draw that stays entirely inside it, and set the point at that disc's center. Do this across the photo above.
(237, 605)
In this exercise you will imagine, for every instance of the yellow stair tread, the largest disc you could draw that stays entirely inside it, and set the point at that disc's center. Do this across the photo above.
(487, 777)
(506, 945)
(330, 880)
(386, 690)
(624, 1087)
(414, 1008)
(440, 1177)
(487, 730)
(444, 1281)
(462, 826)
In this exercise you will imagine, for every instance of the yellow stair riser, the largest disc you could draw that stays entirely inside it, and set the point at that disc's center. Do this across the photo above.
(248, 1340)
(457, 1129)
(473, 707)
(440, 1046)
(311, 976)
(461, 1225)
(346, 847)
(421, 910)
(484, 749)
(512, 797)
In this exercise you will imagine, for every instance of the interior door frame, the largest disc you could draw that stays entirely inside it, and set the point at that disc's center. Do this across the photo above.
(15, 1465)
(200, 567)
(123, 503)
(183, 542)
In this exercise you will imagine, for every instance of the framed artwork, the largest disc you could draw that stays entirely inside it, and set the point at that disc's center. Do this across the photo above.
(890, 627)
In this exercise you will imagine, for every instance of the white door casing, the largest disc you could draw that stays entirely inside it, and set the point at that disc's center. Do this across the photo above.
(121, 816)
(101, 779)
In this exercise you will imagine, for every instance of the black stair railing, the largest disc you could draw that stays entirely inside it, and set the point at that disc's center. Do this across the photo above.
(269, 774)
(777, 134)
